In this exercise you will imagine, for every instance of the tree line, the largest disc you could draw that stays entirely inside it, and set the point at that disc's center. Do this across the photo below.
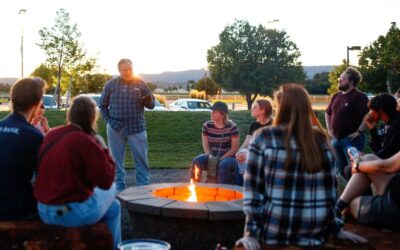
(253, 60)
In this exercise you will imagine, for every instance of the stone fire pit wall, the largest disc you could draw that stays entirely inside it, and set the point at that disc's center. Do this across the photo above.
(185, 225)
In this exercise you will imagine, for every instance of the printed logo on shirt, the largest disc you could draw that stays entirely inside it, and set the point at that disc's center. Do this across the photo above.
(9, 130)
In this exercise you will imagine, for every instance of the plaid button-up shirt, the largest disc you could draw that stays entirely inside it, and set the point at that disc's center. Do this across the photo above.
(287, 206)
(122, 104)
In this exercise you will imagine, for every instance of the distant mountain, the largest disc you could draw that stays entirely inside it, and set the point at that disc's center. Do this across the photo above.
(181, 77)
(8, 80)
(172, 78)
(312, 70)
(169, 78)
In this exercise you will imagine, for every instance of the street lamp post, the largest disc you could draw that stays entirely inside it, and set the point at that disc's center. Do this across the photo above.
(272, 23)
(22, 13)
(351, 48)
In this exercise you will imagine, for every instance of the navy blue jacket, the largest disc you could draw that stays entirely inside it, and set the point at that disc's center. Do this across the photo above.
(19, 147)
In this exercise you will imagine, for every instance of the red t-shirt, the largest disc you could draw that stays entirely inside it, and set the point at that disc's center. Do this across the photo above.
(347, 112)
(71, 168)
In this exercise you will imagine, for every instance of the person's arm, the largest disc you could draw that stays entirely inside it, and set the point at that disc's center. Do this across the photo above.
(241, 154)
(99, 165)
(105, 101)
(328, 124)
(391, 165)
(148, 97)
(254, 188)
(246, 142)
(206, 145)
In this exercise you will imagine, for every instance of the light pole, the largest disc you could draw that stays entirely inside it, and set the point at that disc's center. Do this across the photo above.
(272, 23)
(22, 13)
(205, 83)
(351, 48)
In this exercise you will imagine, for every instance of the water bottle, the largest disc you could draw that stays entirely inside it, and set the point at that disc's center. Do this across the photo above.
(354, 154)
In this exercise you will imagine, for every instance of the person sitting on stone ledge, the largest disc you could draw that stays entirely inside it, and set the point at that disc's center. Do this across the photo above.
(19, 147)
(220, 138)
(289, 180)
(74, 185)
(262, 111)
(383, 208)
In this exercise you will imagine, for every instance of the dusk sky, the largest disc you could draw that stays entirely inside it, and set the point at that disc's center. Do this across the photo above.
(174, 35)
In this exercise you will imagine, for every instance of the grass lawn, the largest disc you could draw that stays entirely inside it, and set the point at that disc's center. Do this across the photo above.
(174, 137)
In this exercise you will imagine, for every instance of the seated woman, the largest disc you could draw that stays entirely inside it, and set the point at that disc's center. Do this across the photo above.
(289, 181)
(262, 111)
(220, 137)
(40, 121)
(383, 209)
(74, 185)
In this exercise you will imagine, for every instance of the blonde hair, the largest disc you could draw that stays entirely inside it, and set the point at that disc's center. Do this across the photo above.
(295, 112)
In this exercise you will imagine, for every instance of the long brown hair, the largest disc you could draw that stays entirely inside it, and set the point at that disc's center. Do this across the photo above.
(295, 112)
(83, 113)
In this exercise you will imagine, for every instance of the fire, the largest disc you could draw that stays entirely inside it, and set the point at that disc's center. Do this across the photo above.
(192, 186)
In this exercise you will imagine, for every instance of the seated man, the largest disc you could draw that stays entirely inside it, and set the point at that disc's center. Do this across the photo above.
(382, 209)
(385, 141)
(19, 146)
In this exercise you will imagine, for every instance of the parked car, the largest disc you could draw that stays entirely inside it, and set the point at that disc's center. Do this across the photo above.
(49, 102)
(95, 97)
(190, 105)
(157, 107)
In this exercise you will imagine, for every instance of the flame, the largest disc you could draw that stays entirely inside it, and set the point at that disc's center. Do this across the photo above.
(192, 186)
(196, 173)
(192, 189)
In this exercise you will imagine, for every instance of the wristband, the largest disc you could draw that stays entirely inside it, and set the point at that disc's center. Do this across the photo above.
(357, 167)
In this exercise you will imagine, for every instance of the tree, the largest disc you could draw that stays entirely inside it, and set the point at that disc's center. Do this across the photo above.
(46, 73)
(319, 84)
(254, 60)
(380, 62)
(61, 45)
(208, 85)
(152, 86)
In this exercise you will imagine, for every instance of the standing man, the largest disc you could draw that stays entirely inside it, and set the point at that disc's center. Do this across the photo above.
(344, 117)
(122, 105)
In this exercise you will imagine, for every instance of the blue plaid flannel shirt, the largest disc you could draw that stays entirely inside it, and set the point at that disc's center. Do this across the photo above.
(287, 207)
(122, 105)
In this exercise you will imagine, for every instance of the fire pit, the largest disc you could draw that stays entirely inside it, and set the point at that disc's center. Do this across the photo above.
(161, 211)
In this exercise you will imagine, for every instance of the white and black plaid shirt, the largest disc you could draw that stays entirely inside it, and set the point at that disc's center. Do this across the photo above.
(287, 206)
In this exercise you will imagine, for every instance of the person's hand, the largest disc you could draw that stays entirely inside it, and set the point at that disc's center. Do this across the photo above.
(346, 235)
(369, 121)
(354, 135)
(146, 98)
(241, 157)
(249, 243)
(45, 124)
(101, 141)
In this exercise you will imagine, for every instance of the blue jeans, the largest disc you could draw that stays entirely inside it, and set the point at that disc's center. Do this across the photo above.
(341, 146)
(138, 145)
(228, 169)
(100, 206)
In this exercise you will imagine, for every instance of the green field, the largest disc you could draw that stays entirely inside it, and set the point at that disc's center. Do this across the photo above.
(174, 137)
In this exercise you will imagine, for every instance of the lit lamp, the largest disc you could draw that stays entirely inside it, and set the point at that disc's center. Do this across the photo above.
(22, 13)
(351, 48)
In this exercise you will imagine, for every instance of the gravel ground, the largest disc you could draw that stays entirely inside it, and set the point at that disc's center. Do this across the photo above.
(156, 176)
